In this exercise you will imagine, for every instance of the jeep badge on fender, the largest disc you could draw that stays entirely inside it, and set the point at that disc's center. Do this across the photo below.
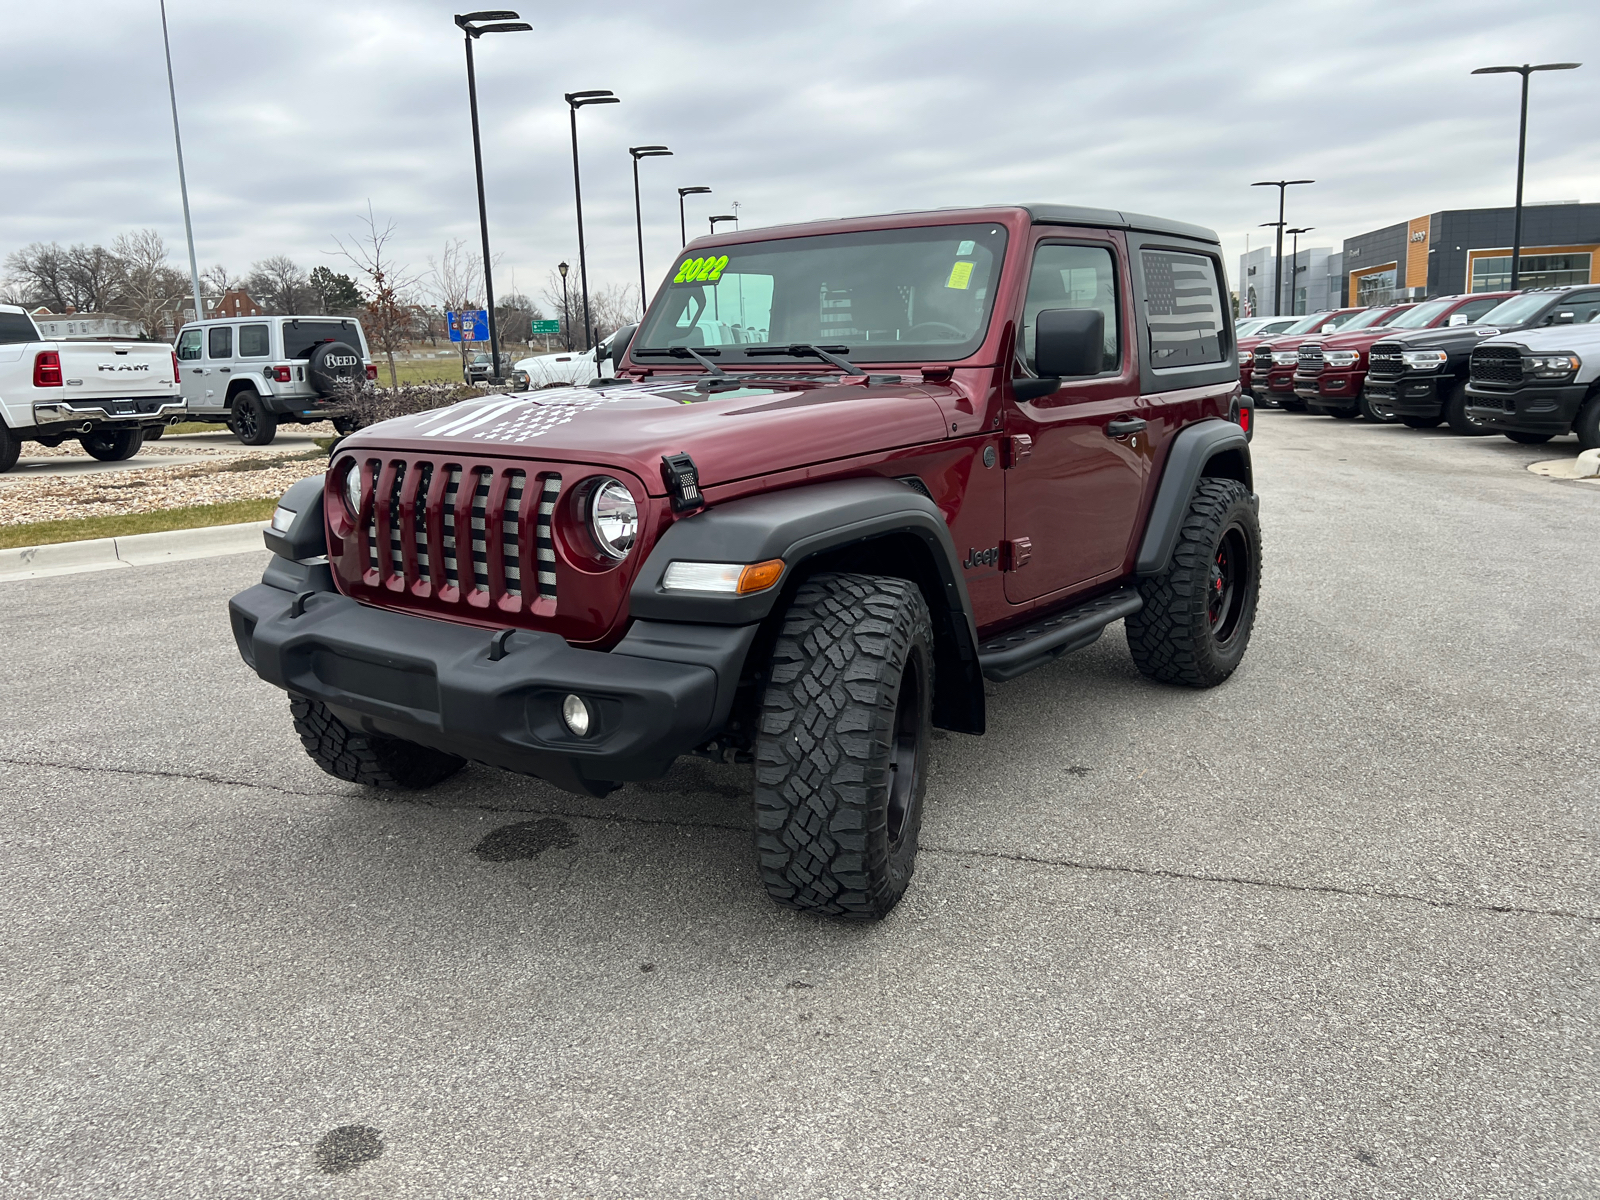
(745, 545)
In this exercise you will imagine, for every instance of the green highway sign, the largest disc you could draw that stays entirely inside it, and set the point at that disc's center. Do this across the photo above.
(547, 327)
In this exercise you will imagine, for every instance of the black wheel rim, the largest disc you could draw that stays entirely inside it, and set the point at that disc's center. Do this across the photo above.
(905, 751)
(244, 420)
(1228, 590)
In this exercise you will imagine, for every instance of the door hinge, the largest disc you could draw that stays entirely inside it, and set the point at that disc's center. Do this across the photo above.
(1014, 554)
(1015, 450)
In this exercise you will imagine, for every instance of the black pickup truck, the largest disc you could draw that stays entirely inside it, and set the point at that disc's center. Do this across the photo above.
(1422, 376)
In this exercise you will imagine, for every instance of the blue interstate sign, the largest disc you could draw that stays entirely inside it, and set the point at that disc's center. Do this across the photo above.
(469, 325)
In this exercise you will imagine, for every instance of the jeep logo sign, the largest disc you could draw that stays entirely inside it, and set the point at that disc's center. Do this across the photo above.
(340, 360)
(1419, 236)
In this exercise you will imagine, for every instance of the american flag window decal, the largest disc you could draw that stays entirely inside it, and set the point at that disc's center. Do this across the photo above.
(1183, 309)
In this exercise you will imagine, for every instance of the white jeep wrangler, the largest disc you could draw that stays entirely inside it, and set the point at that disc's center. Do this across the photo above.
(256, 373)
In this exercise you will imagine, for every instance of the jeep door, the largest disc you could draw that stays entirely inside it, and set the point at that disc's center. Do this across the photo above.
(193, 373)
(1075, 476)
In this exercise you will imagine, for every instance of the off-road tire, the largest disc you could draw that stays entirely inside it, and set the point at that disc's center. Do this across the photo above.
(1530, 439)
(1421, 422)
(344, 426)
(1178, 637)
(10, 448)
(363, 758)
(841, 751)
(116, 446)
(249, 419)
(1587, 423)
(1455, 414)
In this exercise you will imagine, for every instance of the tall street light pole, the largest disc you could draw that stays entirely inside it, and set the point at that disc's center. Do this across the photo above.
(575, 101)
(1522, 148)
(1277, 270)
(470, 24)
(183, 183)
(639, 152)
(566, 311)
(683, 229)
(724, 217)
(1294, 269)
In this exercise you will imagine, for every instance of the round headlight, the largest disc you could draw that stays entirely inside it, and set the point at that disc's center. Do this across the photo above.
(613, 518)
(352, 489)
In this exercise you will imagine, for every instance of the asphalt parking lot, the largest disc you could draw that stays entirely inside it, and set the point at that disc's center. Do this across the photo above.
(1328, 930)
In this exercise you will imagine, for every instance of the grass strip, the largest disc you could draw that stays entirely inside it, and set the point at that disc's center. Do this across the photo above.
(196, 427)
(81, 529)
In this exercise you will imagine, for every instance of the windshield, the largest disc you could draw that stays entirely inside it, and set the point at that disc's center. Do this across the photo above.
(1516, 310)
(1373, 316)
(1422, 315)
(886, 295)
(300, 338)
(1307, 324)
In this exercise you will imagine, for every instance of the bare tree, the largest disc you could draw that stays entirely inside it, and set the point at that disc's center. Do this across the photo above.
(613, 306)
(80, 277)
(148, 282)
(279, 285)
(456, 280)
(218, 280)
(389, 318)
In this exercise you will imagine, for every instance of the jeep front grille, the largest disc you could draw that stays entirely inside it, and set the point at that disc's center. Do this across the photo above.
(1496, 364)
(1310, 359)
(1385, 361)
(457, 531)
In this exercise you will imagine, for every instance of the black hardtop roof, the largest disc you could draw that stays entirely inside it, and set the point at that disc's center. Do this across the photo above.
(1072, 214)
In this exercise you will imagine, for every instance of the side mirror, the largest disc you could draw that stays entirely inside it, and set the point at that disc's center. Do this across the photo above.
(1562, 318)
(1457, 319)
(1067, 342)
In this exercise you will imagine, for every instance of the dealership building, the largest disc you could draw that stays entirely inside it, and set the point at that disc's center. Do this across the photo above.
(1441, 254)
(1469, 250)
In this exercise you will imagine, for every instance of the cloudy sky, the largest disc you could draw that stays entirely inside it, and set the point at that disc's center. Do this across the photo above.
(296, 113)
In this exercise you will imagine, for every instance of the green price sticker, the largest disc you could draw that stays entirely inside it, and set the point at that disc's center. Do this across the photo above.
(701, 270)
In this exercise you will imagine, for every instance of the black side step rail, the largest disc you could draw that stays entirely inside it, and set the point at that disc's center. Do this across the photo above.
(1018, 651)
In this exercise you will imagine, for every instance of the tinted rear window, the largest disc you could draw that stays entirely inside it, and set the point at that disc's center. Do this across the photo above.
(16, 327)
(300, 338)
(1183, 309)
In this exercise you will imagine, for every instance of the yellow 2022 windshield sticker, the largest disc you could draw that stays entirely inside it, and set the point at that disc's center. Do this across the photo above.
(960, 276)
(701, 270)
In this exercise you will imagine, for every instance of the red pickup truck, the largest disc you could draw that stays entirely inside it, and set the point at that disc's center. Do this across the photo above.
(1272, 379)
(1330, 371)
(1253, 332)
(849, 473)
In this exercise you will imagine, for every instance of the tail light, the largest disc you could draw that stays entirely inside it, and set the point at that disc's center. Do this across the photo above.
(372, 371)
(176, 376)
(1244, 418)
(279, 374)
(47, 369)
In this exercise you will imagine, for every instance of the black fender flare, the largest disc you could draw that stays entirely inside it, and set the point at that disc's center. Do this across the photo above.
(304, 537)
(1214, 447)
(806, 526)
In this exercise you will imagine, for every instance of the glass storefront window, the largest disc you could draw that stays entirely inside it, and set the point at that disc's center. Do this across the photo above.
(1537, 270)
(1376, 288)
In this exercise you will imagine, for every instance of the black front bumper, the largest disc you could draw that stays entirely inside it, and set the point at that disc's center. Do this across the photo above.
(1540, 408)
(664, 690)
(1411, 395)
(309, 408)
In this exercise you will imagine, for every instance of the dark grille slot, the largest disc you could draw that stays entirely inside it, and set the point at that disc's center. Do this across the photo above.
(1496, 364)
(1385, 362)
(479, 543)
(451, 566)
(510, 546)
(371, 475)
(396, 555)
(544, 537)
(419, 520)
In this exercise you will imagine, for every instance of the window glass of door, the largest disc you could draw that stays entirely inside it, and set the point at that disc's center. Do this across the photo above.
(189, 345)
(253, 341)
(1183, 309)
(219, 341)
(1066, 276)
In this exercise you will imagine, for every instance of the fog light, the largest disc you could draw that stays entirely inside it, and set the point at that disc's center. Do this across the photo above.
(576, 714)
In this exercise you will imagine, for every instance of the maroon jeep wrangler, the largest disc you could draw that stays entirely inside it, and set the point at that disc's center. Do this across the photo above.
(849, 471)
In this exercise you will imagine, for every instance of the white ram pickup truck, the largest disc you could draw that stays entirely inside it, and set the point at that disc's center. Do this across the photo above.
(105, 393)
(571, 368)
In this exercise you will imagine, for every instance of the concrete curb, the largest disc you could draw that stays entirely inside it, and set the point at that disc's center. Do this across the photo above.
(138, 550)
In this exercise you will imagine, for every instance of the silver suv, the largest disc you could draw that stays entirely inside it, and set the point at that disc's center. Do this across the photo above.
(257, 373)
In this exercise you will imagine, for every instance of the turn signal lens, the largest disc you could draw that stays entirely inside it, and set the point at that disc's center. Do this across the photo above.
(47, 369)
(1244, 418)
(733, 579)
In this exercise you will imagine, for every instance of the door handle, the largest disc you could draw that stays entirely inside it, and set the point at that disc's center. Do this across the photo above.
(224, 370)
(198, 370)
(1123, 426)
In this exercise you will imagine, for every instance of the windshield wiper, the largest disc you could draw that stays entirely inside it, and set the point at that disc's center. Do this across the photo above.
(805, 350)
(689, 352)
